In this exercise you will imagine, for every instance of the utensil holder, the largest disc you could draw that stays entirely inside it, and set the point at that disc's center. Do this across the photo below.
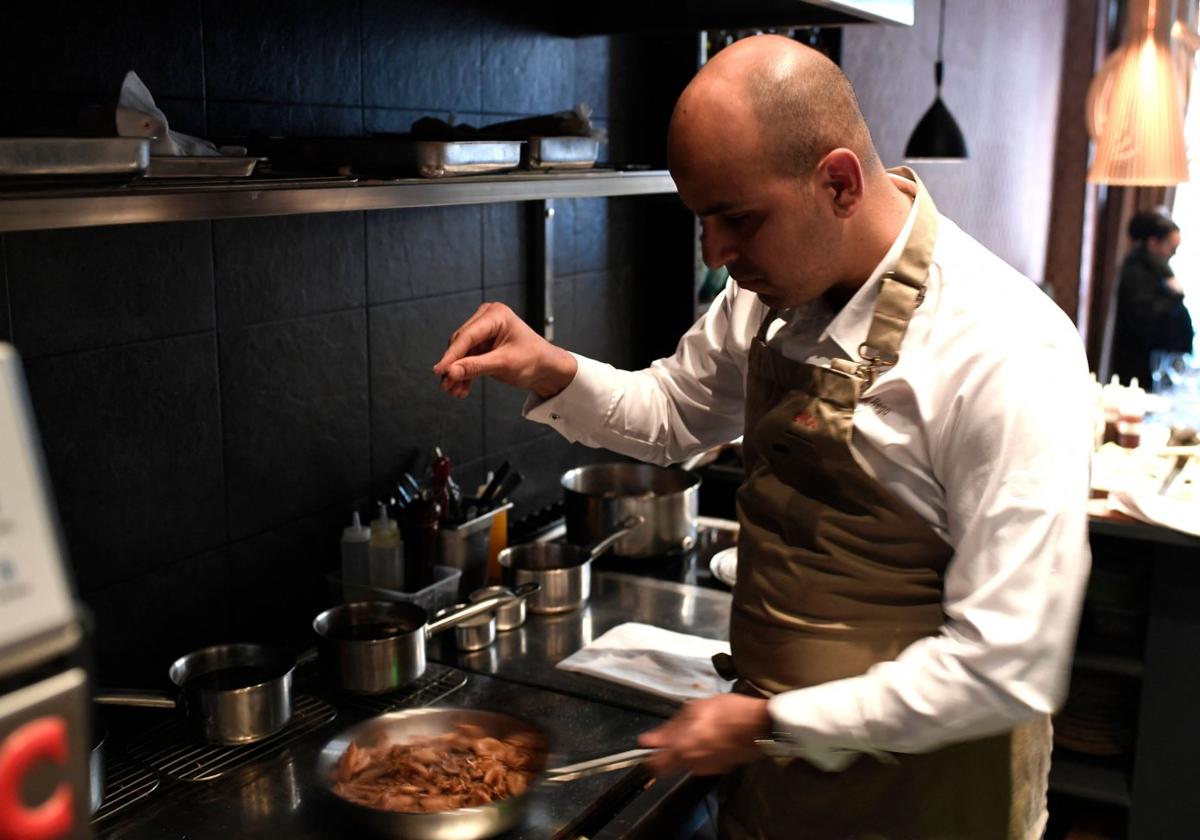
(465, 547)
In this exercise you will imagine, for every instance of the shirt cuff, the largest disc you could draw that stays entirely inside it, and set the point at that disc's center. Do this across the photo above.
(825, 715)
(581, 408)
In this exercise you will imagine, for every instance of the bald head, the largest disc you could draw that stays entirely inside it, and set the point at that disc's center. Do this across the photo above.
(800, 104)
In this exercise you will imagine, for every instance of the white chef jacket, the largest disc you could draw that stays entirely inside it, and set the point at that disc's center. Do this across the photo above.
(983, 427)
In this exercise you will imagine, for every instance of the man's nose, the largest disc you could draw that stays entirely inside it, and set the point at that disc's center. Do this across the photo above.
(716, 250)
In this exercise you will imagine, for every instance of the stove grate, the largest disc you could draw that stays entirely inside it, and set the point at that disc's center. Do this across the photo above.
(170, 749)
(124, 784)
(437, 682)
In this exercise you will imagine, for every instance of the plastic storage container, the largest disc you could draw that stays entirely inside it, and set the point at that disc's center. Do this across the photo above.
(441, 593)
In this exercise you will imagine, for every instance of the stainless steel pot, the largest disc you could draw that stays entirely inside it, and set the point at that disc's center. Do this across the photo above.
(564, 571)
(373, 647)
(599, 496)
(474, 633)
(508, 617)
(229, 694)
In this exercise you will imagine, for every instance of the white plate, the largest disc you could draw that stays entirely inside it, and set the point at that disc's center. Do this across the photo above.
(724, 566)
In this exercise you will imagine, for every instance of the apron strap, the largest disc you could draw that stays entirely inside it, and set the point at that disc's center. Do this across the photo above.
(901, 290)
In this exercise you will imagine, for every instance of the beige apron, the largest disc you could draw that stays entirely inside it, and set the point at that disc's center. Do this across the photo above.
(835, 574)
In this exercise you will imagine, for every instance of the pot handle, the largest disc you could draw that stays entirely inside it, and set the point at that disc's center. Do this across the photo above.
(458, 616)
(626, 525)
(140, 699)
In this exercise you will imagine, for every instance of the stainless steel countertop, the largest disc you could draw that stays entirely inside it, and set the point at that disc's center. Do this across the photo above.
(528, 655)
(281, 797)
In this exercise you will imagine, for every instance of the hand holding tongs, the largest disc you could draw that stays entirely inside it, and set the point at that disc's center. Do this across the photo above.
(596, 766)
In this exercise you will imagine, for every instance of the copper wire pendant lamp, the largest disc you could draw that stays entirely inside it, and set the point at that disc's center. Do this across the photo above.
(1135, 109)
(937, 136)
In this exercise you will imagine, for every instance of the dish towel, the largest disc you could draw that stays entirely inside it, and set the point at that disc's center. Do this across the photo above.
(648, 658)
(139, 116)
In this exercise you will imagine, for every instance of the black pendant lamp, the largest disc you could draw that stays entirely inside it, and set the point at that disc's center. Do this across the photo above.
(937, 136)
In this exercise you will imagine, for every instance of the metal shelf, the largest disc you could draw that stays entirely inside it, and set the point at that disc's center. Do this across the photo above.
(176, 202)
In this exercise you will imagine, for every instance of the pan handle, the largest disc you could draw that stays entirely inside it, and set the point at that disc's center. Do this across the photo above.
(455, 617)
(140, 699)
(626, 525)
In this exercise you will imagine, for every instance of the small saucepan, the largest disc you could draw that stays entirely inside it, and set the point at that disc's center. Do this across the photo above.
(474, 633)
(373, 647)
(507, 618)
(229, 694)
(564, 571)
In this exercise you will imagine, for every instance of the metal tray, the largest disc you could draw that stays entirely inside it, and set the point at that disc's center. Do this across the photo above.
(214, 166)
(466, 157)
(562, 152)
(83, 157)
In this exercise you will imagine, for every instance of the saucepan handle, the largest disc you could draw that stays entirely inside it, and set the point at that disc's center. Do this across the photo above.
(626, 525)
(458, 616)
(140, 699)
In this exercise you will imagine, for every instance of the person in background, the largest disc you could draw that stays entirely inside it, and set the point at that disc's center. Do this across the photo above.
(913, 545)
(1151, 316)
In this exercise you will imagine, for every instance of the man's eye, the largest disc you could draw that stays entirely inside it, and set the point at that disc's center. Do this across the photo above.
(736, 218)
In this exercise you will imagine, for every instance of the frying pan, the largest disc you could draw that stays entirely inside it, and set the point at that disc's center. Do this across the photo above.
(228, 694)
(463, 823)
(373, 647)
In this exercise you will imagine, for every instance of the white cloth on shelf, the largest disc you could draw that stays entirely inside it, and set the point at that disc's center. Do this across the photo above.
(139, 116)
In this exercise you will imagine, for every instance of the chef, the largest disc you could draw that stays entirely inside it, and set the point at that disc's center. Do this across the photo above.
(917, 436)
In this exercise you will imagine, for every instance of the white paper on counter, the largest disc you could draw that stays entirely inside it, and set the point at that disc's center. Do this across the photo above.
(1178, 514)
(651, 659)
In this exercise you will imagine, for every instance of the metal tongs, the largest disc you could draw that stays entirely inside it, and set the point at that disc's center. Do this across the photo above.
(596, 766)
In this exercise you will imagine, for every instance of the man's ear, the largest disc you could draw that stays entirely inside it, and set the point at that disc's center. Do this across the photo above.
(840, 180)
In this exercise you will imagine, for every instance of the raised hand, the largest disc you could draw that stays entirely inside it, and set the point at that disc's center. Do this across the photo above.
(495, 342)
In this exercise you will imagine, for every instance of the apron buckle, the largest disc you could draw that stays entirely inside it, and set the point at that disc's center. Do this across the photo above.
(876, 357)
(875, 360)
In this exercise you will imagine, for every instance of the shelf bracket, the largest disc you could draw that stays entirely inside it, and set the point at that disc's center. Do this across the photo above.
(541, 266)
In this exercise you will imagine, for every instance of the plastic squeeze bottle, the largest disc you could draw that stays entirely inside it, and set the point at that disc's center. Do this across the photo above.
(1132, 410)
(386, 553)
(355, 554)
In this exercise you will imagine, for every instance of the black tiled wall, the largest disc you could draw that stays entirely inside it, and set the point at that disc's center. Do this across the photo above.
(214, 396)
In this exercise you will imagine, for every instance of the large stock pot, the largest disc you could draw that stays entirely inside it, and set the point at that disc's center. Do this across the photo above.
(600, 496)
